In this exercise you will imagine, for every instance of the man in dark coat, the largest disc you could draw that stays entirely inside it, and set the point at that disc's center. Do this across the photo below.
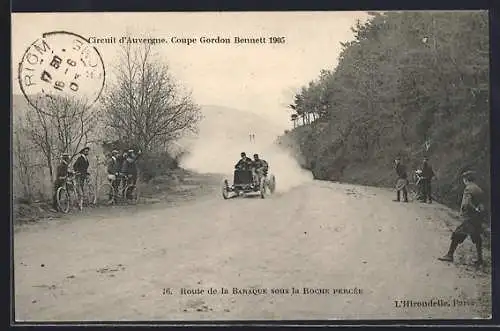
(472, 212)
(81, 165)
(428, 175)
(402, 181)
(61, 174)
(244, 163)
(81, 168)
(129, 166)
(243, 170)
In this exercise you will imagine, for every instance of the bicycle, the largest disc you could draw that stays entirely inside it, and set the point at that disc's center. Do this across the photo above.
(86, 190)
(66, 194)
(414, 190)
(107, 193)
(125, 191)
(130, 191)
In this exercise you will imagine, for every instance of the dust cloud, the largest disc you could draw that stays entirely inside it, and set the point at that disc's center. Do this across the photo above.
(224, 133)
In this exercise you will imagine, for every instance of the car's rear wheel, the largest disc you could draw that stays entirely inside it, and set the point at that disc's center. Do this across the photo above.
(272, 183)
(263, 188)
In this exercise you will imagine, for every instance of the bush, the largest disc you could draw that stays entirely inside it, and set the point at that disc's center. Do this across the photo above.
(153, 165)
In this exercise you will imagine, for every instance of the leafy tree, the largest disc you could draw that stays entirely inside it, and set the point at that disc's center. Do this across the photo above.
(406, 78)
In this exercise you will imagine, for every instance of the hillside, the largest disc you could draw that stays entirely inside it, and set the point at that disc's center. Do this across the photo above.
(410, 84)
(224, 134)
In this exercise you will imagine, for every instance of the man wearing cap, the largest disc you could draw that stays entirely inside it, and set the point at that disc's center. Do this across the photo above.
(244, 163)
(242, 172)
(61, 173)
(472, 212)
(402, 181)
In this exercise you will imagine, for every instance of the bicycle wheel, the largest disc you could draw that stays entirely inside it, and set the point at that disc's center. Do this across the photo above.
(63, 200)
(416, 194)
(131, 194)
(106, 194)
(120, 195)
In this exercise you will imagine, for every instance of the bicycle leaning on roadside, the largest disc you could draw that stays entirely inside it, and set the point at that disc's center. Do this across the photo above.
(414, 187)
(121, 189)
(85, 190)
(66, 195)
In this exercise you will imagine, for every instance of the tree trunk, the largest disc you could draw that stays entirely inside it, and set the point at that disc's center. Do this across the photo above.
(49, 165)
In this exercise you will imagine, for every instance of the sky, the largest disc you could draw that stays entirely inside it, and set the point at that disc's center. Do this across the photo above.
(259, 78)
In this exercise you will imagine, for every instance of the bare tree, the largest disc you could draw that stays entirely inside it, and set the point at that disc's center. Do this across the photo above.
(23, 161)
(74, 123)
(59, 124)
(145, 107)
(39, 132)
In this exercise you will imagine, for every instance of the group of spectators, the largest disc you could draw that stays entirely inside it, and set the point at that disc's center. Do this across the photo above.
(423, 179)
(120, 166)
(472, 208)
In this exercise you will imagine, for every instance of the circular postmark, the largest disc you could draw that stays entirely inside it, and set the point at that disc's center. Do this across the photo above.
(61, 64)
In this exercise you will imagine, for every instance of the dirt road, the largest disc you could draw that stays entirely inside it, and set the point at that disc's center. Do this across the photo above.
(114, 264)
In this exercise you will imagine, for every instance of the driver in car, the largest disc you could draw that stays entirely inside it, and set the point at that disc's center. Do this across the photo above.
(259, 167)
(245, 163)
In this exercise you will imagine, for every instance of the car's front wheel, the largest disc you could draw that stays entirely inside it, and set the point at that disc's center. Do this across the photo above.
(225, 189)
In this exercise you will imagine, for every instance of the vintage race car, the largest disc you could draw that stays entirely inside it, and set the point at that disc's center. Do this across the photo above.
(245, 182)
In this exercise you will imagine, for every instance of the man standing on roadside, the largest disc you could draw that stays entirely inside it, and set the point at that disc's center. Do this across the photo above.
(402, 181)
(129, 166)
(428, 175)
(81, 164)
(472, 212)
(81, 168)
(61, 173)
